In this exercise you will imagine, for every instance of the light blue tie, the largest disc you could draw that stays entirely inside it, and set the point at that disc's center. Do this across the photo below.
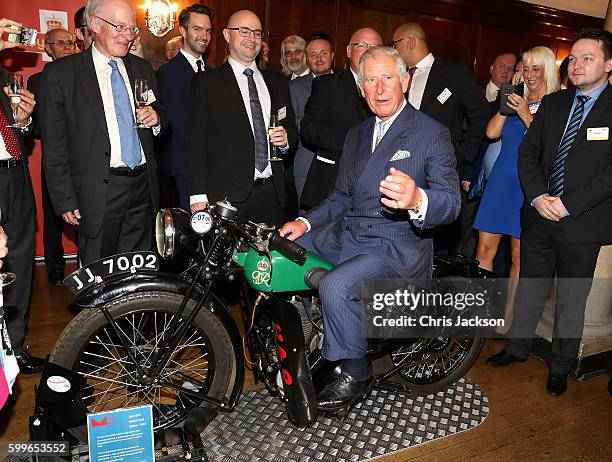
(130, 144)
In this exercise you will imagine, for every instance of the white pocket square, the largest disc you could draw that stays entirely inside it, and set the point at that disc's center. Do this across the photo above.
(400, 155)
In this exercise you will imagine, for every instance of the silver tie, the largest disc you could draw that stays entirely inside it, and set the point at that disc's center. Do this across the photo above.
(382, 127)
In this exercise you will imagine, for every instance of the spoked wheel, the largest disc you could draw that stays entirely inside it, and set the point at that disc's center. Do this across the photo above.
(203, 361)
(436, 363)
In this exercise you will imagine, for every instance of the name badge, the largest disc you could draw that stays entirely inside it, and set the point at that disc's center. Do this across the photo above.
(282, 113)
(442, 97)
(598, 133)
(150, 97)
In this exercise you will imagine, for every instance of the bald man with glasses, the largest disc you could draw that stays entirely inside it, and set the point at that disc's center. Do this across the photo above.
(229, 134)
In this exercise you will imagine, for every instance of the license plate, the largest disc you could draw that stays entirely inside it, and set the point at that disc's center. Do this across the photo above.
(98, 271)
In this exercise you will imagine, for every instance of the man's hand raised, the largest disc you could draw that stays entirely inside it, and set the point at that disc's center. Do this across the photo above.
(400, 190)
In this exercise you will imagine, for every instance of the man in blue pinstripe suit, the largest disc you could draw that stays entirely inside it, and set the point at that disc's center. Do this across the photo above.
(369, 228)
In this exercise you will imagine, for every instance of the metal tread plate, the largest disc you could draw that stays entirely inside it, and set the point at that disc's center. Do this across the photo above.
(258, 429)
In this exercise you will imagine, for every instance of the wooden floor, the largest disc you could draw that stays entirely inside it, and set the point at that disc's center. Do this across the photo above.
(524, 421)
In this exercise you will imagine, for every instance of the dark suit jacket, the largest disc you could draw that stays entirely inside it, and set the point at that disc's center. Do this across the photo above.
(300, 92)
(221, 145)
(466, 103)
(587, 192)
(76, 146)
(353, 221)
(34, 86)
(174, 79)
(333, 108)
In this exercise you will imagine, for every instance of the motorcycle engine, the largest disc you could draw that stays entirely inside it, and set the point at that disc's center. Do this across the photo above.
(310, 312)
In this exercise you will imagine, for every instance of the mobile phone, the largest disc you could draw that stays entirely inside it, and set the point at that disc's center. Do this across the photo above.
(520, 89)
(504, 92)
(23, 35)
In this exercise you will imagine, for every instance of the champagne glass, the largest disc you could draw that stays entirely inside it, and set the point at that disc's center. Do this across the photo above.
(273, 148)
(15, 83)
(141, 96)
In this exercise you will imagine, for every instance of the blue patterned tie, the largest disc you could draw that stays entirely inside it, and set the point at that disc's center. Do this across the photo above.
(259, 126)
(555, 182)
(130, 144)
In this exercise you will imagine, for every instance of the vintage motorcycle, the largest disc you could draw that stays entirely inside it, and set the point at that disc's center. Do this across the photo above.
(169, 340)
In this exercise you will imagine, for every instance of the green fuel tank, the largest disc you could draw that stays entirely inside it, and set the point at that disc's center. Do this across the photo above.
(284, 275)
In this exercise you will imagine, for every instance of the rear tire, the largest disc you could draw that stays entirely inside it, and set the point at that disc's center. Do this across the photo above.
(439, 366)
(203, 360)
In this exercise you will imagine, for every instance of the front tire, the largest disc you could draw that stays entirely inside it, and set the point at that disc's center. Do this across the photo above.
(203, 360)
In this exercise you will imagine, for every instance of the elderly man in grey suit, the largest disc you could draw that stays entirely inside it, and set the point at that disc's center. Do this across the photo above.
(369, 237)
(320, 57)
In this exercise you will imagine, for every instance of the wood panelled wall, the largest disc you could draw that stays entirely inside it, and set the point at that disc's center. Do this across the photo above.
(472, 31)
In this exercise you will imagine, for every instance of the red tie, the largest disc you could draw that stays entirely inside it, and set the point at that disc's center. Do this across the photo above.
(8, 135)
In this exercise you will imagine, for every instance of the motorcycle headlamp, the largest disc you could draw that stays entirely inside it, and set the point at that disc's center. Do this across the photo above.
(170, 226)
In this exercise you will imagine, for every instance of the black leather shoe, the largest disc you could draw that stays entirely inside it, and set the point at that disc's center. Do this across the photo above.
(503, 358)
(56, 277)
(556, 384)
(29, 364)
(342, 392)
(324, 372)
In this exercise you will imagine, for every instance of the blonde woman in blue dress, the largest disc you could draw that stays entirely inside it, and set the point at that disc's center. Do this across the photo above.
(499, 211)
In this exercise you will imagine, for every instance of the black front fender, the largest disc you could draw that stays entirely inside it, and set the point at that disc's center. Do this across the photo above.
(121, 285)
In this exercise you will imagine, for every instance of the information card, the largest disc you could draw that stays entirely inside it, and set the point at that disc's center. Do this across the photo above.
(122, 435)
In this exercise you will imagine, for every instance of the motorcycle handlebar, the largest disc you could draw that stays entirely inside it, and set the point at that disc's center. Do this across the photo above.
(285, 246)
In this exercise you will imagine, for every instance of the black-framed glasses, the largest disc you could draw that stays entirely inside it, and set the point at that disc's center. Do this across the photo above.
(364, 46)
(246, 32)
(395, 42)
(62, 43)
(122, 27)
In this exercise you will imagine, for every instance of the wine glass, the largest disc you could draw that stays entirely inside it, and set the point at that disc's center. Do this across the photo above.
(273, 149)
(15, 83)
(141, 96)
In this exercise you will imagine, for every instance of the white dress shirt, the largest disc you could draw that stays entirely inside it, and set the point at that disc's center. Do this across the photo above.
(295, 76)
(491, 91)
(103, 73)
(193, 61)
(419, 80)
(417, 218)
